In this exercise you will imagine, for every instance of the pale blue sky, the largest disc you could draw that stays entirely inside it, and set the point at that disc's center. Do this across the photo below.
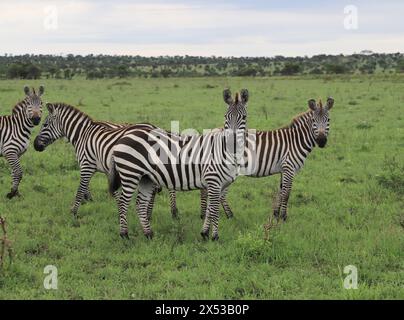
(195, 27)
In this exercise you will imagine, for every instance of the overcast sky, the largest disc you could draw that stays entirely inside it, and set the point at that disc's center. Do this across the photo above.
(221, 27)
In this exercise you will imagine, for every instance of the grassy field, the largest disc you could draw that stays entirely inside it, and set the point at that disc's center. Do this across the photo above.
(346, 206)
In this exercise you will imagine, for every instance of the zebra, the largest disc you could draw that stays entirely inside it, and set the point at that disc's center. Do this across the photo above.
(92, 141)
(283, 151)
(143, 158)
(15, 132)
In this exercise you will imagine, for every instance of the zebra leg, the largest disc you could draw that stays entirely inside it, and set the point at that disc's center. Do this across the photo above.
(128, 188)
(88, 196)
(145, 198)
(16, 174)
(287, 180)
(173, 204)
(204, 199)
(277, 204)
(212, 216)
(85, 176)
(150, 206)
(225, 205)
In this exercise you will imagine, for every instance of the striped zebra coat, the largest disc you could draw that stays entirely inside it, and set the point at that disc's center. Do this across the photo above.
(173, 204)
(144, 157)
(283, 151)
(92, 141)
(15, 132)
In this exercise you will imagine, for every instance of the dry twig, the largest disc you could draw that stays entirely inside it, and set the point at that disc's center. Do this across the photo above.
(5, 243)
(271, 223)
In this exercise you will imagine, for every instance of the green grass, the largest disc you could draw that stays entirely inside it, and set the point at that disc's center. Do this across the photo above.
(346, 205)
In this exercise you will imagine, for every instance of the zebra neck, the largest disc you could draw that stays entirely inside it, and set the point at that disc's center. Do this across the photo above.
(20, 120)
(230, 149)
(305, 134)
(75, 128)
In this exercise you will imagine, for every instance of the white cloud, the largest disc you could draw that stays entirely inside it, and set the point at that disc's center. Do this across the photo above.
(122, 27)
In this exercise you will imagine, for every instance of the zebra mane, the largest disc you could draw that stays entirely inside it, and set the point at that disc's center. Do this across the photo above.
(73, 109)
(18, 106)
(296, 119)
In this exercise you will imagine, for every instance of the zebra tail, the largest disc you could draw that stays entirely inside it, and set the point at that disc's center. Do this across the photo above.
(114, 180)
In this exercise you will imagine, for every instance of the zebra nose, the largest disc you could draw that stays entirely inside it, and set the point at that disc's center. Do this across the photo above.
(36, 120)
(38, 145)
(321, 140)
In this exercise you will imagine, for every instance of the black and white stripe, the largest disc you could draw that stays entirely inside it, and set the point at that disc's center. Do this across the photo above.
(283, 151)
(143, 158)
(15, 132)
(92, 141)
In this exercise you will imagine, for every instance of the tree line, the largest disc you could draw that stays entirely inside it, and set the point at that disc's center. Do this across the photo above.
(107, 66)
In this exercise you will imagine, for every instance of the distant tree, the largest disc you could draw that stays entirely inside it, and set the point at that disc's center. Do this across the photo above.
(290, 68)
(316, 70)
(23, 71)
(336, 68)
(247, 71)
(33, 72)
(166, 72)
(123, 71)
(52, 71)
(14, 71)
(400, 66)
(67, 74)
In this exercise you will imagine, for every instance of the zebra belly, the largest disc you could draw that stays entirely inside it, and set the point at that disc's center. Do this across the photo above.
(179, 177)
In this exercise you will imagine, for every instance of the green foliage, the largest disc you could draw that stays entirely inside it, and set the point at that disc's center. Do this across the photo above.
(290, 69)
(346, 205)
(393, 175)
(104, 66)
(23, 71)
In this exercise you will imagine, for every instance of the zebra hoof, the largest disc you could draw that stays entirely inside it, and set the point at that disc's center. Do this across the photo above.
(202, 216)
(74, 214)
(12, 194)
(174, 214)
(215, 237)
(149, 235)
(284, 217)
(124, 235)
(230, 215)
(276, 214)
(205, 235)
(88, 197)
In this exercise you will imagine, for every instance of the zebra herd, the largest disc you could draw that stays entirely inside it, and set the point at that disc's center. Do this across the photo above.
(144, 158)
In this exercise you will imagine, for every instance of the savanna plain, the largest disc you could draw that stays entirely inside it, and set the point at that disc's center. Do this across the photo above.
(346, 206)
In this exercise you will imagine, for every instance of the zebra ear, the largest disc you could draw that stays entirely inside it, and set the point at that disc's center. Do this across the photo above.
(41, 90)
(50, 107)
(330, 103)
(244, 96)
(312, 104)
(227, 96)
(26, 90)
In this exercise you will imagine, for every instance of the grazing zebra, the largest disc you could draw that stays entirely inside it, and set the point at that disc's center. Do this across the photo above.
(283, 151)
(92, 141)
(143, 158)
(15, 132)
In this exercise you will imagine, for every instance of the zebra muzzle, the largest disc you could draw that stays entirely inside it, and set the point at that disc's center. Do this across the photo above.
(321, 141)
(38, 145)
(36, 120)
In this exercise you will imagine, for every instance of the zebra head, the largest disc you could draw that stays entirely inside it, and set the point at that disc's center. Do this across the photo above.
(51, 129)
(235, 119)
(33, 103)
(320, 120)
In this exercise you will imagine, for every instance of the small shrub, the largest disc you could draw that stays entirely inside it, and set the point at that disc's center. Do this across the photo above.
(251, 246)
(364, 125)
(393, 175)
